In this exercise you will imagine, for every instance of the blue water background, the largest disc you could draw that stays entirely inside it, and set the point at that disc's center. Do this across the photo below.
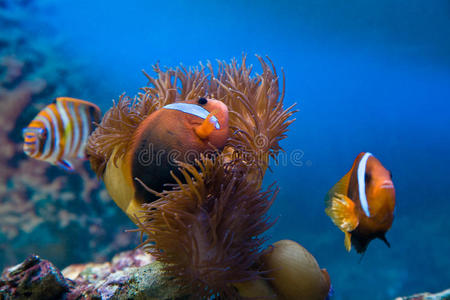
(366, 76)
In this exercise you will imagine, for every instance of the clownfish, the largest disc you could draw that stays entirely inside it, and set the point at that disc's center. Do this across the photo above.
(177, 132)
(362, 203)
(59, 132)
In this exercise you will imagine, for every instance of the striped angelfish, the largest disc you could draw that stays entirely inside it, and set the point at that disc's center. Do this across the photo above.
(59, 132)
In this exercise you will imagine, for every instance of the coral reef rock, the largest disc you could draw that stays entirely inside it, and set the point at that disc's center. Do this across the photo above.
(444, 295)
(35, 278)
(130, 275)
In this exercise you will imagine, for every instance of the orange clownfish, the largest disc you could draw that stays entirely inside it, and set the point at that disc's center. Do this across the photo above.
(59, 132)
(362, 203)
(177, 132)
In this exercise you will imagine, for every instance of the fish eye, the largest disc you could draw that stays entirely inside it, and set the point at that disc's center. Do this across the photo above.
(202, 101)
(390, 174)
(367, 177)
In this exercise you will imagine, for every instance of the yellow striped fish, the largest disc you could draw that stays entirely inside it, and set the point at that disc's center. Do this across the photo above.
(59, 132)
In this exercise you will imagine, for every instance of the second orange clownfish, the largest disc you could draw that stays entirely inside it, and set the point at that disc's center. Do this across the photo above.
(362, 203)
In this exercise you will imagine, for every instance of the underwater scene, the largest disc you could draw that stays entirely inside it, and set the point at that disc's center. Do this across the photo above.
(225, 149)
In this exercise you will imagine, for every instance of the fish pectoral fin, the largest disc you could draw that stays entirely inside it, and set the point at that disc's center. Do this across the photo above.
(341, 210)
(204, 130)
(66, 165)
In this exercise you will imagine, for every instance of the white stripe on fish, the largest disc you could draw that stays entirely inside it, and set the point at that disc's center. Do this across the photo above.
(362, 183)
(195, 110)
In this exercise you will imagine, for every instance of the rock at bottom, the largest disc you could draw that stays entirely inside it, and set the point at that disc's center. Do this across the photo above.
(130, 275)
(444, 295)
(35, 278)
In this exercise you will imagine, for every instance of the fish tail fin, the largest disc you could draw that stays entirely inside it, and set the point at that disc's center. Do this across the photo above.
(208, 125)
(362, 256)
(383, 238)
(341, 210)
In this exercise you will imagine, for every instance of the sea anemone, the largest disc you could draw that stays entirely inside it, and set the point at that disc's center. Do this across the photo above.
(208, 229)
(207, 225)
(258, 120)
(113, 133)
(294, 272)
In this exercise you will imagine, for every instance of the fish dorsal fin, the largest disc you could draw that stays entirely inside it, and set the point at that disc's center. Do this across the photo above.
(94, 110)
(75, 100)
(342, 212)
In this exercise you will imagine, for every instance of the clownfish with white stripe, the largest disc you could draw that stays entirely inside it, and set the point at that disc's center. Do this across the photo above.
(179, 131)
(58, 134)
(362, 203)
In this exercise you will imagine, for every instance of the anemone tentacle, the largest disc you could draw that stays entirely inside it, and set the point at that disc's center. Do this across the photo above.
(210, 224)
